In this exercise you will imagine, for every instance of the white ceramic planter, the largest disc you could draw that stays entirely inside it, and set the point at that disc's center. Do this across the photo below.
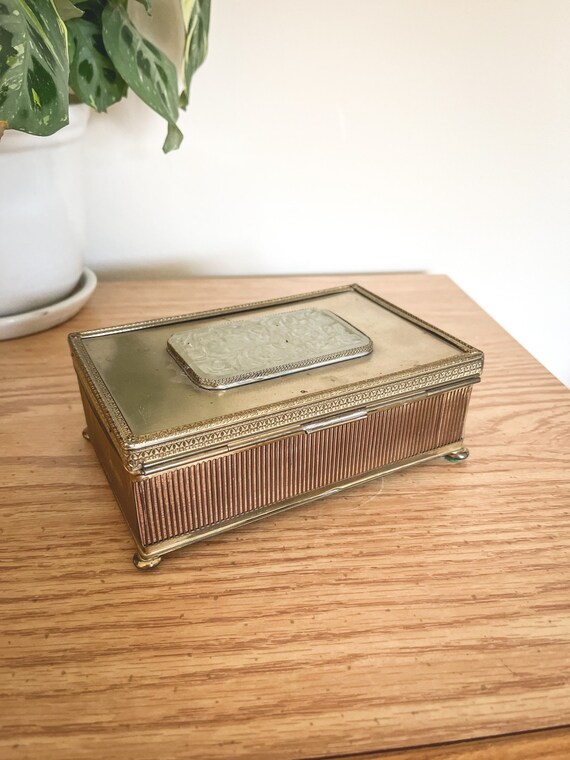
(42, 217)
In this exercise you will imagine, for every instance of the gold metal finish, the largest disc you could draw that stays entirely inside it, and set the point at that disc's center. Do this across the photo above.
(457, 456)
(154, 412)
(143, 563)
(186, 462)
(85, 434)
(179, 542)
(217, 489)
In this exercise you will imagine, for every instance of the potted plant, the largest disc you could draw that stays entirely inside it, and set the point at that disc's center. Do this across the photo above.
(58, 59)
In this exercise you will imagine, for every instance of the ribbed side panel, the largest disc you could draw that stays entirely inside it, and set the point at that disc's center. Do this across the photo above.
(193, 497)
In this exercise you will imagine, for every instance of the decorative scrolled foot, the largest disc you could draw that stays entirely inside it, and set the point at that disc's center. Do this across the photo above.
(85, 434)
(146, 564)
(457, 456)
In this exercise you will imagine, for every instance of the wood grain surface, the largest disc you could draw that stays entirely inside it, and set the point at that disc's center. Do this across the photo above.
(551, 744)
(429, 607)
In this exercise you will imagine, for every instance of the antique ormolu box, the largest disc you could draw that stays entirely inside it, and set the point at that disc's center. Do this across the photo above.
(207, 421)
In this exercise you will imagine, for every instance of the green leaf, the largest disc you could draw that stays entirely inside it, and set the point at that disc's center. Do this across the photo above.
(92, 9)
(196, 15)
(67, 10)
(33, 67)
(92, 75)
(147, 71)
(174, 138)
(147, 4)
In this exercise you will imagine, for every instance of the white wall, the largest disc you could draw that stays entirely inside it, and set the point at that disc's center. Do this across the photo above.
(326, 136)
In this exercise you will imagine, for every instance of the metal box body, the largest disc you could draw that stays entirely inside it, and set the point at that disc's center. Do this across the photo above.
(186, 462)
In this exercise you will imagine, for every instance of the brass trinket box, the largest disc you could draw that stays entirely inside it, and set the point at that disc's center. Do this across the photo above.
(207, 421)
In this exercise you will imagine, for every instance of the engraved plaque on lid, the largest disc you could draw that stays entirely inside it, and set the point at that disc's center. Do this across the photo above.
(243, 351)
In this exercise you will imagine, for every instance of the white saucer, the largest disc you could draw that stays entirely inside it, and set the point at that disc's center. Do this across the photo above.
(37, 320)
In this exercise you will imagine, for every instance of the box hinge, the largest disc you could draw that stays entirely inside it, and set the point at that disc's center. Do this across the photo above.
(339, 419)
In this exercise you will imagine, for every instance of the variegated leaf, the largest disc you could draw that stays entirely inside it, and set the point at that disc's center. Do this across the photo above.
(67, 10)
(92, 75)
(33, 67)
(91, 9)
(146, 70)
(196, 15)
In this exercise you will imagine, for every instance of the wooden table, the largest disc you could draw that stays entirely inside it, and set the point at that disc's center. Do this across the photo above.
(427, 609)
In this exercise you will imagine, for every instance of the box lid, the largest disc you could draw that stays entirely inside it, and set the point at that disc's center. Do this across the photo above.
(154, 409)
